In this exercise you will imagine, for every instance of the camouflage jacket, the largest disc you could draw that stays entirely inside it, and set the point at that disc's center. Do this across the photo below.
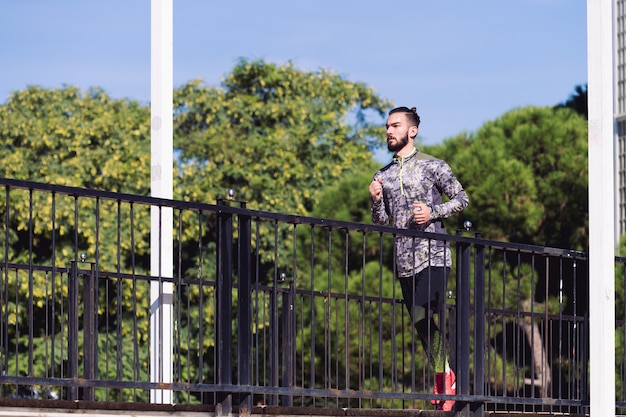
(421, 178)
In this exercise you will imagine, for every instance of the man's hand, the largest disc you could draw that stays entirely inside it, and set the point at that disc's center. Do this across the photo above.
(376, 189)
(421, 212)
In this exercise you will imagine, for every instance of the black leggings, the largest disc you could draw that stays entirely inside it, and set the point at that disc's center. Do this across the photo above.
(424, 295)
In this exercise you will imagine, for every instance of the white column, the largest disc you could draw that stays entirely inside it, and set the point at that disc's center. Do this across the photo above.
(161, 246)
(601, 207)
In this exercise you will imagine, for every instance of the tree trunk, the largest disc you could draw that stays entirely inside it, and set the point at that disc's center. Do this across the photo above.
(542, 372)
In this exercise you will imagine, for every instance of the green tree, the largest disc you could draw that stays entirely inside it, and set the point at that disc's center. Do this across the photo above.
(83, 139)
(342, 264)
(275, 134)
(67, 137)
(578, 101)
(526, 176)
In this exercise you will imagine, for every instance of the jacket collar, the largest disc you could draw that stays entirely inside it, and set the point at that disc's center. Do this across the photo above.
(400, 159)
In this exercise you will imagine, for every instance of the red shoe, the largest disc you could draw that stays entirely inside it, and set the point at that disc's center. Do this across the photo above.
(445, 383)
(439, 387)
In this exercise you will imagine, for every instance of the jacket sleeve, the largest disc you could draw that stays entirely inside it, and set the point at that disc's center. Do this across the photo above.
(451, 188)
(379, 213)
(379, 210)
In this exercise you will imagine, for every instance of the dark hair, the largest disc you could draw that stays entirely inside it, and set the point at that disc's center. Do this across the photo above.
(411, 115)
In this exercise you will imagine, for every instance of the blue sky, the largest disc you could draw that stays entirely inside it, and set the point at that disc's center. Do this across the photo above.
(461, 63)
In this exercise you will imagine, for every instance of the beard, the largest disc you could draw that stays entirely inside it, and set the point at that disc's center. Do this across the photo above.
(399, 144)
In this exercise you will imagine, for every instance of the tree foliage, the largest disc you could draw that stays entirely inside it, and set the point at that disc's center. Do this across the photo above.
(69, 137)
(274, 134)
(578, 101)
(335, 261)
(286, 140)
(526, 175)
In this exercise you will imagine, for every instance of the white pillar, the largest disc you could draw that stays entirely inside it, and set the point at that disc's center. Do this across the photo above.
(601, 207)
(161, 246)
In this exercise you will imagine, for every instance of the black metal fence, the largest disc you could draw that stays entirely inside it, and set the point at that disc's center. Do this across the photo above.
(273, 309)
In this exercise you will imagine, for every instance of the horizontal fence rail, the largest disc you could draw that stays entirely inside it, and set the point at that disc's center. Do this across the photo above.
(278, 310)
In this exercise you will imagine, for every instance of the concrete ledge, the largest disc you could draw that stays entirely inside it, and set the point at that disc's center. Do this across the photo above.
(14, 407)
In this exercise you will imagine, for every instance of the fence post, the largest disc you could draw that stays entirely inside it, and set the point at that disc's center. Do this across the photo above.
(90, 331)
(462, 324)
(479, 325)
(244, 312)
(72, 329)
(223, 311)
(288, 339)
(274, 348)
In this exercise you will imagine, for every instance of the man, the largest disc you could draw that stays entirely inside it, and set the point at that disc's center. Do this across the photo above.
(408, 193)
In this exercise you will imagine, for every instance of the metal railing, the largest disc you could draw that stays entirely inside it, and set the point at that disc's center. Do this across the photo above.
(275, 309)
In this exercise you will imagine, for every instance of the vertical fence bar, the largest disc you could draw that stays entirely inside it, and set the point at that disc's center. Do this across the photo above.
(201, 324)
(463, 325)
(31, 284)
(90, 345)
(583, 346)
(313, 317)
(479, 326)
(223, 312)
(4, 295)
(288, 341)
(72, 329)
(244, 312)
(274, 334)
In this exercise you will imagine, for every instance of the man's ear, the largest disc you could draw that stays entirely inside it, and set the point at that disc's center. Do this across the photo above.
(413, 132)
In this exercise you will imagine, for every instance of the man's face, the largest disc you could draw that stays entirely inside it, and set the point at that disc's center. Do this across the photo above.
(397, 132)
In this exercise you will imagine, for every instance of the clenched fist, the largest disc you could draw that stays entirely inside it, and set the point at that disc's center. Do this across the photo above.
(376, 189)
